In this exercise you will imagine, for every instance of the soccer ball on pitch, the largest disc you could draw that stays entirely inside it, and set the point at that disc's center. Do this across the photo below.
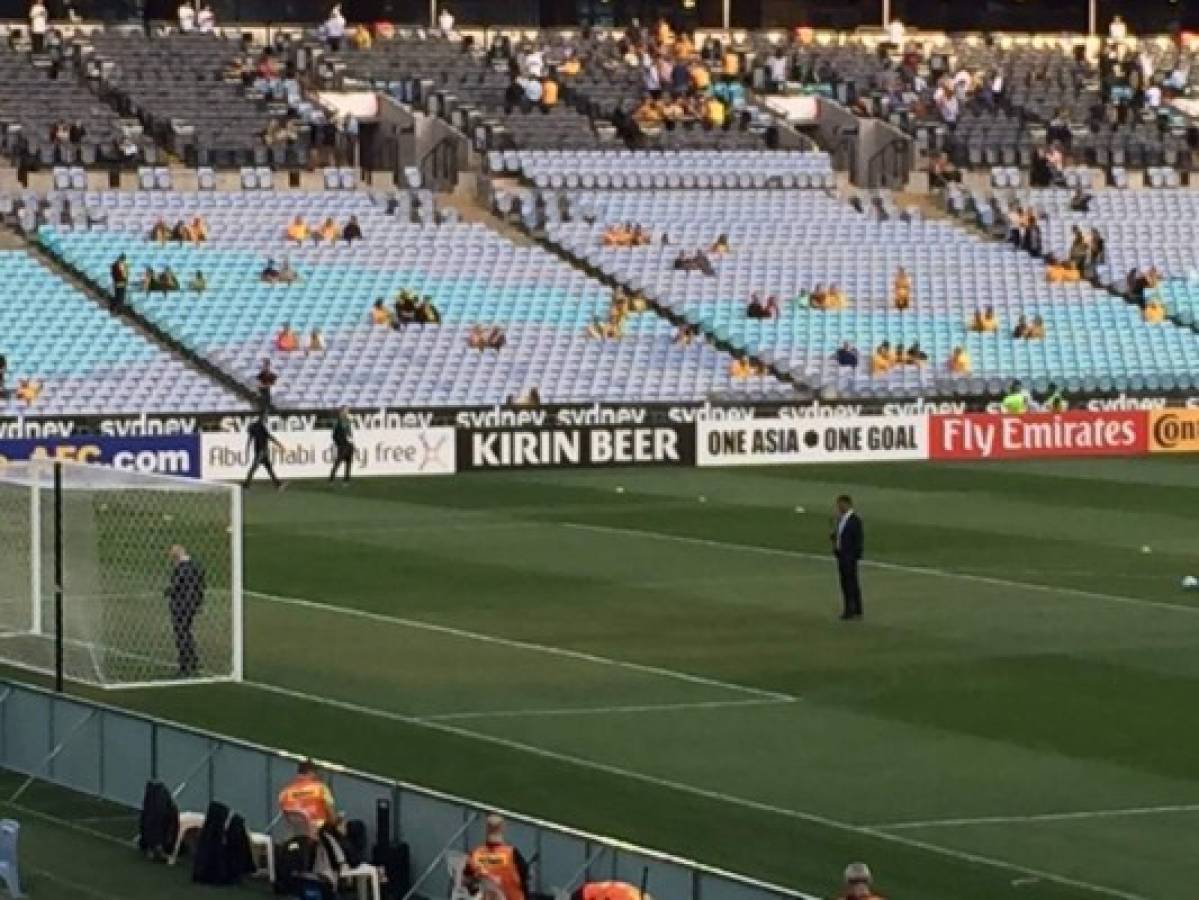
(1190, 582)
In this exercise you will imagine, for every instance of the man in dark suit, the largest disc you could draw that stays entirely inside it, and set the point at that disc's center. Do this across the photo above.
(185, 596)
(849, 540)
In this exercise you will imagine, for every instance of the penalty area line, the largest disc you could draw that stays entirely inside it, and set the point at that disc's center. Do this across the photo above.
(529, 646)
(703, 793)
(602, 710)
(880, 564)
(1032, 818)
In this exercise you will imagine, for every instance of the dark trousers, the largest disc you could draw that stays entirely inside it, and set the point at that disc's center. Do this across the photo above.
(183, 614)
(851, 588)
(262, 458)
(38, 41)
(345, 457)
(118, 295)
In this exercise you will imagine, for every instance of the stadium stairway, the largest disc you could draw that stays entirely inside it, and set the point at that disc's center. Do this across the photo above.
(130, 316)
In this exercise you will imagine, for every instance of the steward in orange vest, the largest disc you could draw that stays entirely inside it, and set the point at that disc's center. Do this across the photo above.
(307, 794)
(608, 890)
(499, 864)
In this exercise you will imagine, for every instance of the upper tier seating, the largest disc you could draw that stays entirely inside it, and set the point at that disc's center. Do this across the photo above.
(184, 91)
(88, 362)
(473, 275)
(784, 242)
(35, 101)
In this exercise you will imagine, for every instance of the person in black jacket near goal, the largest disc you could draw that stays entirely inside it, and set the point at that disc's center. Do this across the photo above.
(185, 596)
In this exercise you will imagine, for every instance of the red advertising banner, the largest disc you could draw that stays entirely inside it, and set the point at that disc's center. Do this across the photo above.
(1079, 433)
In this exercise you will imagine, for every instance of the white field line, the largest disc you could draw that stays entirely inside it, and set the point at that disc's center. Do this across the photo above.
(705, 793)
(877, 564)
(600, 710)
(1042, 817)
(559, 652)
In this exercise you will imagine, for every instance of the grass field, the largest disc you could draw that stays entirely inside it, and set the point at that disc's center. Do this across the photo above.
(1014, 718)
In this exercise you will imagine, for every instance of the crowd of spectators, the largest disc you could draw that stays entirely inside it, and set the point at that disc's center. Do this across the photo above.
(329, 232)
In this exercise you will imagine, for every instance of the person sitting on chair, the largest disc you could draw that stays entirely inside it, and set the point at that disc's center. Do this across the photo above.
(497, 863)
(307, 804)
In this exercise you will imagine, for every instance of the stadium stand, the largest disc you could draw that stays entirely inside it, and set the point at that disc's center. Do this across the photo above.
(50, 119)
(86, 361)
(785, 243)
(474, 277)
(206, 99)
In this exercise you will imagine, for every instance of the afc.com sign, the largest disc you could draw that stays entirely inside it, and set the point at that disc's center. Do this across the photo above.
(177, 455)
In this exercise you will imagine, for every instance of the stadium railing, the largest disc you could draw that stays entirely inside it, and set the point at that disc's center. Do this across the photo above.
(111, 753)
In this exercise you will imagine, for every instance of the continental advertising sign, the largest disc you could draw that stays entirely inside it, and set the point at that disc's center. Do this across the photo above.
(1174, 431)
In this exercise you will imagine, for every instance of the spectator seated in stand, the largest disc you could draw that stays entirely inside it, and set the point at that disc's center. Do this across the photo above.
(694, 262)
(181, 232)
(427, 313)
(959, 361)
(1036, 330)
(1080, 202)
(287, 275)
(913, 356)
(298, 230)
(380, 315)
(1020, 332)
(352, 232)
(1154, 312)
(328, 232)
(481, 338)
(883, 359)
(148, 281)
(901, 290)
(316, 341)
(28, 391)
(199, 230)
(835, 299)
(1061, 272)
(720, 246)
(759, 309)
(984, 321)
(685, 335)
(743, 367)
(160, 231)
(197, 284)
(270, 272)
(405, 310)
(847, 355)
(165, 281)
(286, 340)
(627, 235)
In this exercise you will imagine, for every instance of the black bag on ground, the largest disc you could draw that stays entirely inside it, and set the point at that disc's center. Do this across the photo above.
(391, 857)
(158, 826)
(311, 886)
(355, 843)
(294, 858)
(223, 854)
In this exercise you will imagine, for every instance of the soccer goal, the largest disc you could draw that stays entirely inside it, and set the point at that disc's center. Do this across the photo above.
(90, 579)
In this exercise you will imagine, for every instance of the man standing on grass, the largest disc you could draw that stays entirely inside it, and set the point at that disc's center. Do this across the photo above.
(259, 440)
(343, 444)
(848, 538)
(185, 596)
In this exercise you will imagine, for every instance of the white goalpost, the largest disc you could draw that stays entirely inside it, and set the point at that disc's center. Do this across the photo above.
(90, 584)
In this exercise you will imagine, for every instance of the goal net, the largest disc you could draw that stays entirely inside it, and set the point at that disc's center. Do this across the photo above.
(150, 572)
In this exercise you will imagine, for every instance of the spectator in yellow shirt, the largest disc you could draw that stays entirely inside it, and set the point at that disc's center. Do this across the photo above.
(549, 93)
(714, 113)
(1036, 331)
(380, 314)
(329, 231)
(959, 361)
(701, 78)
(984, 321)
(883, 359)
(199, 230)
(1154, 312)
(298, 230)
(901, 290)
(28, 390)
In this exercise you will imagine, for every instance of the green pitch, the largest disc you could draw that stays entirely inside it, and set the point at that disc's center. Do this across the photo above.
(1014, 719)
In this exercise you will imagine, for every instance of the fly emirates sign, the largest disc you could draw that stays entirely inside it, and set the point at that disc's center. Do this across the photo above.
(1081, 433)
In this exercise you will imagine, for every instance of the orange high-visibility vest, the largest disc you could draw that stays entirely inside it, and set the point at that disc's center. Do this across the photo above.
(609, 890)
(308, 794)
(498, 862)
